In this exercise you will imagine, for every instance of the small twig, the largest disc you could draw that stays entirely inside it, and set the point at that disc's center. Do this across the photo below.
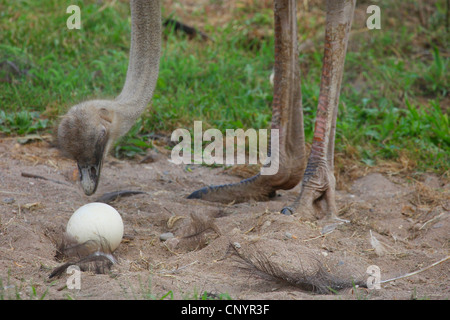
(173, 214)
(175, 270)
(12, 192)
(416, 272)
(30, 175)
(433, 219)
(318, 237)
(170, 250)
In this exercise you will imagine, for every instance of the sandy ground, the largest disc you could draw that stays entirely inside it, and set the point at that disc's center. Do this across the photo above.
(409, 218)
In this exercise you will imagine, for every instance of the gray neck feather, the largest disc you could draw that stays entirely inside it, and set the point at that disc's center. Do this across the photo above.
(144, 58)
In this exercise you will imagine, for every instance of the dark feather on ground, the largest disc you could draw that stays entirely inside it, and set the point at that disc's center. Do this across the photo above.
(199, 226)
(98, 262)
(316, 279)
(95, 256)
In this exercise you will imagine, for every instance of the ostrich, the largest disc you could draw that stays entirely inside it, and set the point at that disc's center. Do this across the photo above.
(88, 130)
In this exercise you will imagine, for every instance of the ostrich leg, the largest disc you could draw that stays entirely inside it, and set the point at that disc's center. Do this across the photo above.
(287, 117)
(317, 195)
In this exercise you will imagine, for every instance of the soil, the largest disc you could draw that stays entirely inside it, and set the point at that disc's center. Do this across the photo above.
(409, 218)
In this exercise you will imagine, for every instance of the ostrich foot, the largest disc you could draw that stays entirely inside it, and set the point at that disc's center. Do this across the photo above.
(317, 200)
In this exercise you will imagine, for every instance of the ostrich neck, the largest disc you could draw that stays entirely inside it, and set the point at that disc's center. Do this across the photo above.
(143, 64)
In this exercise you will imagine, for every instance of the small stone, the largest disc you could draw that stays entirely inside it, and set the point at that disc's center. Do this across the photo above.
(172, 243)
(9, 200)
(166, 236)
(287, 211)
(288, 235)
(266, 224)
(237, 245)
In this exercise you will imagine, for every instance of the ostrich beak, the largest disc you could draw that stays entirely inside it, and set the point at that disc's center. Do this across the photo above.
(89, 177)
(91, 167)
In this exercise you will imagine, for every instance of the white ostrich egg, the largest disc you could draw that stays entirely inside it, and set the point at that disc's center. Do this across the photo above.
(98, 222)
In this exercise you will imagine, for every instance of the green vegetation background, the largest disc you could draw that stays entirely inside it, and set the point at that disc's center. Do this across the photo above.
(394, 100)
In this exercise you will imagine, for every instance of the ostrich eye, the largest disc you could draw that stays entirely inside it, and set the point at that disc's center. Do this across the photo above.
(102, 133)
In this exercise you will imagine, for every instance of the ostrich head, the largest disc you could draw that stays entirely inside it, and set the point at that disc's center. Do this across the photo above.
(84, 134)
(88, 130)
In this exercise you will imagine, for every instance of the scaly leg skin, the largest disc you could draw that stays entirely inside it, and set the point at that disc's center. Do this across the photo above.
(317, 195)
(287, 117)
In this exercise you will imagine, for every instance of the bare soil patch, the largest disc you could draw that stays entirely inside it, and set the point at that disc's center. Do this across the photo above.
(410, 218)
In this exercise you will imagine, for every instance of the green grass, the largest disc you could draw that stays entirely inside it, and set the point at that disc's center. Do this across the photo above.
(28, 291)
(21, 122)
(394, 98)
(21, 290)
(146, 292)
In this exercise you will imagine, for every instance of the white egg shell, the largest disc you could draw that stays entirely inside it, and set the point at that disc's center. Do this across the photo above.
(96, 221)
